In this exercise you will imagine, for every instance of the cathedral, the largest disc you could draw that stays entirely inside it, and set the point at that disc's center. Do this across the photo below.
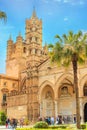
(32, 87)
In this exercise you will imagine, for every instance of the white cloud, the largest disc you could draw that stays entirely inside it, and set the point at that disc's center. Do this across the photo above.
(66, 1)
(81, 2)
(84, 31)
(65, 19)
(57, 0)
(45, 1)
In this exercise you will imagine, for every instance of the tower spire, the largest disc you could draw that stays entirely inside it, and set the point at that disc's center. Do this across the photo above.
(34, 13)
(10, 37)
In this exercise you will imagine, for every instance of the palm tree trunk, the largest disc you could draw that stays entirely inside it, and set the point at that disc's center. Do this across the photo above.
(74, 63)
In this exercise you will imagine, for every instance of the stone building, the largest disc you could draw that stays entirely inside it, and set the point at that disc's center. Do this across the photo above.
(32, 87)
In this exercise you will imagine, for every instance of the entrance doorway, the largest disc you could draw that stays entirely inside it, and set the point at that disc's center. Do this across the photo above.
(85, 112)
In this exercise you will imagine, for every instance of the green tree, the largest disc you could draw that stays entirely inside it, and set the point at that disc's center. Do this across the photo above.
(2, 118)
(3, 16)
(71, 48)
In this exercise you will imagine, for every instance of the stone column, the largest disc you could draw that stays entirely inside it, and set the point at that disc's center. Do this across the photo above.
(56, 108)
(81, 110)
(41, 107)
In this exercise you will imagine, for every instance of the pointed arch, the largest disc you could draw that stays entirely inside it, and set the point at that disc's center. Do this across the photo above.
(82, 82)
(4, 90)
(64, 79)
(43, 85)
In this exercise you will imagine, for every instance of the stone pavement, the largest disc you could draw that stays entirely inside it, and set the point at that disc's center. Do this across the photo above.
(4, 127)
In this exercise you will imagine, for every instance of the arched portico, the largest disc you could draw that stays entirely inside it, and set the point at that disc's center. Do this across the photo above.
(66, 97)
(82, 82)
(83, 94)
(46, 99)
(66, 78)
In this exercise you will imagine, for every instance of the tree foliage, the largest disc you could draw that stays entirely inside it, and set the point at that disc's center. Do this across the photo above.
(3, 16)
(70, 49)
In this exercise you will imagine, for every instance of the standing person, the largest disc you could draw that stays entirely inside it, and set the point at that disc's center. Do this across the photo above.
(6, 124)
(52, 120)
(21, 122)
(8, 120)
(57, 120)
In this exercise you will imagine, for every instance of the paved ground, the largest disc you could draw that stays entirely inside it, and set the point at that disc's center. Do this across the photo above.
(4, 127)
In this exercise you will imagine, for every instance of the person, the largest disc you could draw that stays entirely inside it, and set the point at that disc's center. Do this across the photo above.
(74, 119)
(57, 120)
(14, 123)
(8, 120)
(52, 120)
(49, 120)
(6, 123)
(60, 119)
(21, 122)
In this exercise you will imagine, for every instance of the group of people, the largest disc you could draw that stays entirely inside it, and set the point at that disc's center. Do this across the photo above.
(58, 120)
(51, 120)
(12, 123)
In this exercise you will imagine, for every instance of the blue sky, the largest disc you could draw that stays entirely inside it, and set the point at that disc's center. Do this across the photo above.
(58, 16)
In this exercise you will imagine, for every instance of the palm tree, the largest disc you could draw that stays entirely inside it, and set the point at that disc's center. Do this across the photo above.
(3, 15)
(71, 48)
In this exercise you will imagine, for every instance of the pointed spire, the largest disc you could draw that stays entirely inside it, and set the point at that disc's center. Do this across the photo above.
(19, 33)
(10, 37)
(34, 13)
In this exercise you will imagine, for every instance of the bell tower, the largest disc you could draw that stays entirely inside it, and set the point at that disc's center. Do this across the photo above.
(33, 38)
(34, 30)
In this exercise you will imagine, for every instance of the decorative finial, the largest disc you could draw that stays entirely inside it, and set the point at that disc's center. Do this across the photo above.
(34, 13)
(10, 37)
(19, 33)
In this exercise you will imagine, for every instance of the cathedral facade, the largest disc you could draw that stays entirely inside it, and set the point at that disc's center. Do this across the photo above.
(32, 87)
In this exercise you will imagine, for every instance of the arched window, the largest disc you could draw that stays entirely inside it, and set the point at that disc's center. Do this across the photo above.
(35, 51)
(5, 84)
(85, 90)
(24, 49)
(4, 97)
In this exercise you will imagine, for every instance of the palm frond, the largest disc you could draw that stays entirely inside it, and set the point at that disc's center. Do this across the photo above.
(59, 38)
(3, 15)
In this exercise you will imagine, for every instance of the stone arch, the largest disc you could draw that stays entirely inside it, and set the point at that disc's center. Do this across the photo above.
(46, 99)
(66, 97)
(4, 90)
(44, 84)
(82, 82)
(63, 79)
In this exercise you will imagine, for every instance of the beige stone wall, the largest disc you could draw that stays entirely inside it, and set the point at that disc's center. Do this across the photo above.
(17, 106)
(17, 112)
(7, 84)
(56, 78)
